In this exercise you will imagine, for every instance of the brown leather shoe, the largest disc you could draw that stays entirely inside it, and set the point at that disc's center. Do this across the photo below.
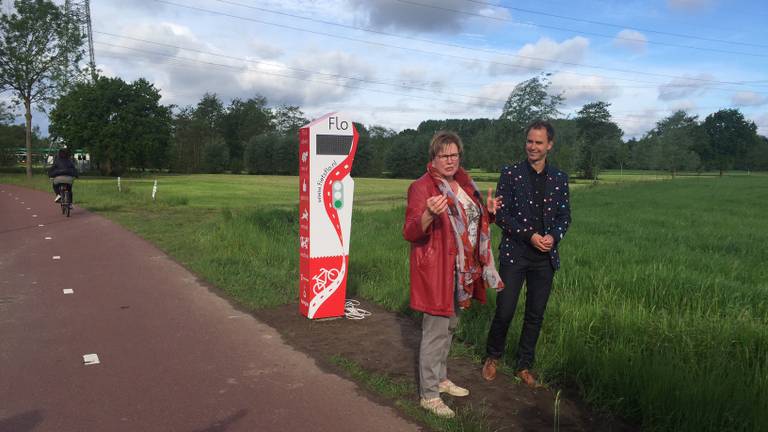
(489, 368)
(528, 378)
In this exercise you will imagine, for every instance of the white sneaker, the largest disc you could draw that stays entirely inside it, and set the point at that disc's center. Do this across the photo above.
(58, 198)
(437, 407)
(452, 389)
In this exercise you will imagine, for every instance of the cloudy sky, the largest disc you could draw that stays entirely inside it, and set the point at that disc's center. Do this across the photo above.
(396, 63)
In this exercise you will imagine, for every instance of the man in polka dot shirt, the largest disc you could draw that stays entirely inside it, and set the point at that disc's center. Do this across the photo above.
(534, 217)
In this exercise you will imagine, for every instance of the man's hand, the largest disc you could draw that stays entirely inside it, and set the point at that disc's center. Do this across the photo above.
(493, 204)
(549, 242)
(540, 242)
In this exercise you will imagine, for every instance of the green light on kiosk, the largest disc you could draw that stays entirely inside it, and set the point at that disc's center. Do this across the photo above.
(337, 204)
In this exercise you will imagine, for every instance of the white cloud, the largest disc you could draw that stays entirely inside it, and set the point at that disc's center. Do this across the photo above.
(540, 55)
(748, 98)
(579, 89)
(637, 124)
(493, 95)
(436, 16)
(761, 120)
(312, 79)
(265, 50)
(686, 86)
(689, 5)
(686, 105)
(417, 77)
(631, 40)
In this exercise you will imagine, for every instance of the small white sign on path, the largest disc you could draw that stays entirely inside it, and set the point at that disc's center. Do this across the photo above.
(68, 291)
(90, 359)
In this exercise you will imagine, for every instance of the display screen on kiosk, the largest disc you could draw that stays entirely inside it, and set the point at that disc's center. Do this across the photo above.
(333, 144)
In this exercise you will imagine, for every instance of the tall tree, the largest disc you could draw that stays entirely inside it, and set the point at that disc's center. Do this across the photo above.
(530, 100)
(121, 125)
(598, 135)
(241, 121)
(731, 136)
(209, 112)
(186, 152)
(675, 137)
(288, 119)
(40, 47)
(6, 114)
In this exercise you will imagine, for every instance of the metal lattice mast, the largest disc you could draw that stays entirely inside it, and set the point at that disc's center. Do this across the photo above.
(80, 11)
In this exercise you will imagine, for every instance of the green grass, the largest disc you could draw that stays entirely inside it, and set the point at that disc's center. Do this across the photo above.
(660, 313)
(402, 393)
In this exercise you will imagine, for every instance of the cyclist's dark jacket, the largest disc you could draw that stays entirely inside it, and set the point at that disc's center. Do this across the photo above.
(62, 167)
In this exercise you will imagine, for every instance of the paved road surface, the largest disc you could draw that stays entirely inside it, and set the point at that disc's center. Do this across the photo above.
(173, 356)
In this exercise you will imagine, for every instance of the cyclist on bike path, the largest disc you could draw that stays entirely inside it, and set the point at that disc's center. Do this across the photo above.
(63, 170)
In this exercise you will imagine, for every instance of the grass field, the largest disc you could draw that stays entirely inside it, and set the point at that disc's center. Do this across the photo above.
(660, 312)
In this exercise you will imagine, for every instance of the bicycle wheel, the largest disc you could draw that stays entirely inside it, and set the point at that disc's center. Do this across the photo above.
(69, 201)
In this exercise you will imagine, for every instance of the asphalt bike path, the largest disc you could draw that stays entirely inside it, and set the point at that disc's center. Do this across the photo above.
(172, 355)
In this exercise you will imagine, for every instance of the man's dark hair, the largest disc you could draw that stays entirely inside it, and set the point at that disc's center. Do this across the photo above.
(542, 124)
(63, 154)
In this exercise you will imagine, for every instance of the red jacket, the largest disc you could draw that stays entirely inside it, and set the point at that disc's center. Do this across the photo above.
(433, 254)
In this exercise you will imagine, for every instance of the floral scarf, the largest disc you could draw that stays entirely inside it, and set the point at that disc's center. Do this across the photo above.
(472, 263)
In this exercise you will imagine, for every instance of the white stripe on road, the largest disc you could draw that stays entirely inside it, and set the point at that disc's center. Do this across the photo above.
(68, 291)
(57, 257)
(90, 359)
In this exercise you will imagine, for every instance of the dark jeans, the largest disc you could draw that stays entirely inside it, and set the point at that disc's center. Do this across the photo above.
(538, 276)
(57, 189)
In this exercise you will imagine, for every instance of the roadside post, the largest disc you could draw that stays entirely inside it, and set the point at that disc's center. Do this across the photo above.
(326, 151)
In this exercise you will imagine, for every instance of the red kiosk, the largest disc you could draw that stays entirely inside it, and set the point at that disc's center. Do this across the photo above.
(326, 151)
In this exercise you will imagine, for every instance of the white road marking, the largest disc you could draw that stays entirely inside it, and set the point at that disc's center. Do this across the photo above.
(68, 291)
(34, 215)
(40, 225)
(29, 208)
(57, 257)
(90, 359)
(49, 238)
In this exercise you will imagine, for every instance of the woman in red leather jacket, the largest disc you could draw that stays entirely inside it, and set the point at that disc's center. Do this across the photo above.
(451, 261)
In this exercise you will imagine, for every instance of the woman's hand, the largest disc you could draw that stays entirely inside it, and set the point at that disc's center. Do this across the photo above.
(492, 203)
(437, 204)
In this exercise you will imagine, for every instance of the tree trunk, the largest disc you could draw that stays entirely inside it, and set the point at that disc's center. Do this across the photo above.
(28, 137)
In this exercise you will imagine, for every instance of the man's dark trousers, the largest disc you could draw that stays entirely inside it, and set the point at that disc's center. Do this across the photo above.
(538, 275)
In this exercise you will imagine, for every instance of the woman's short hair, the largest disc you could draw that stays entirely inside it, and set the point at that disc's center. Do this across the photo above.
(64, 153)
(442, 139)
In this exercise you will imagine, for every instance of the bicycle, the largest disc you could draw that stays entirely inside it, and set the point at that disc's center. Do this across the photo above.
(66, 198)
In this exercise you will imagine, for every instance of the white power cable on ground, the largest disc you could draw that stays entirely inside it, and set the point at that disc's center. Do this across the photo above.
(353, 312)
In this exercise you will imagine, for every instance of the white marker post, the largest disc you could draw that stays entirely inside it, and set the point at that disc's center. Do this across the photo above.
(119, 189)
(326, 151)
(154, 190)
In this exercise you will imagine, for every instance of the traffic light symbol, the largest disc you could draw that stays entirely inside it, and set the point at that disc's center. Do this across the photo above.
(338, 195)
